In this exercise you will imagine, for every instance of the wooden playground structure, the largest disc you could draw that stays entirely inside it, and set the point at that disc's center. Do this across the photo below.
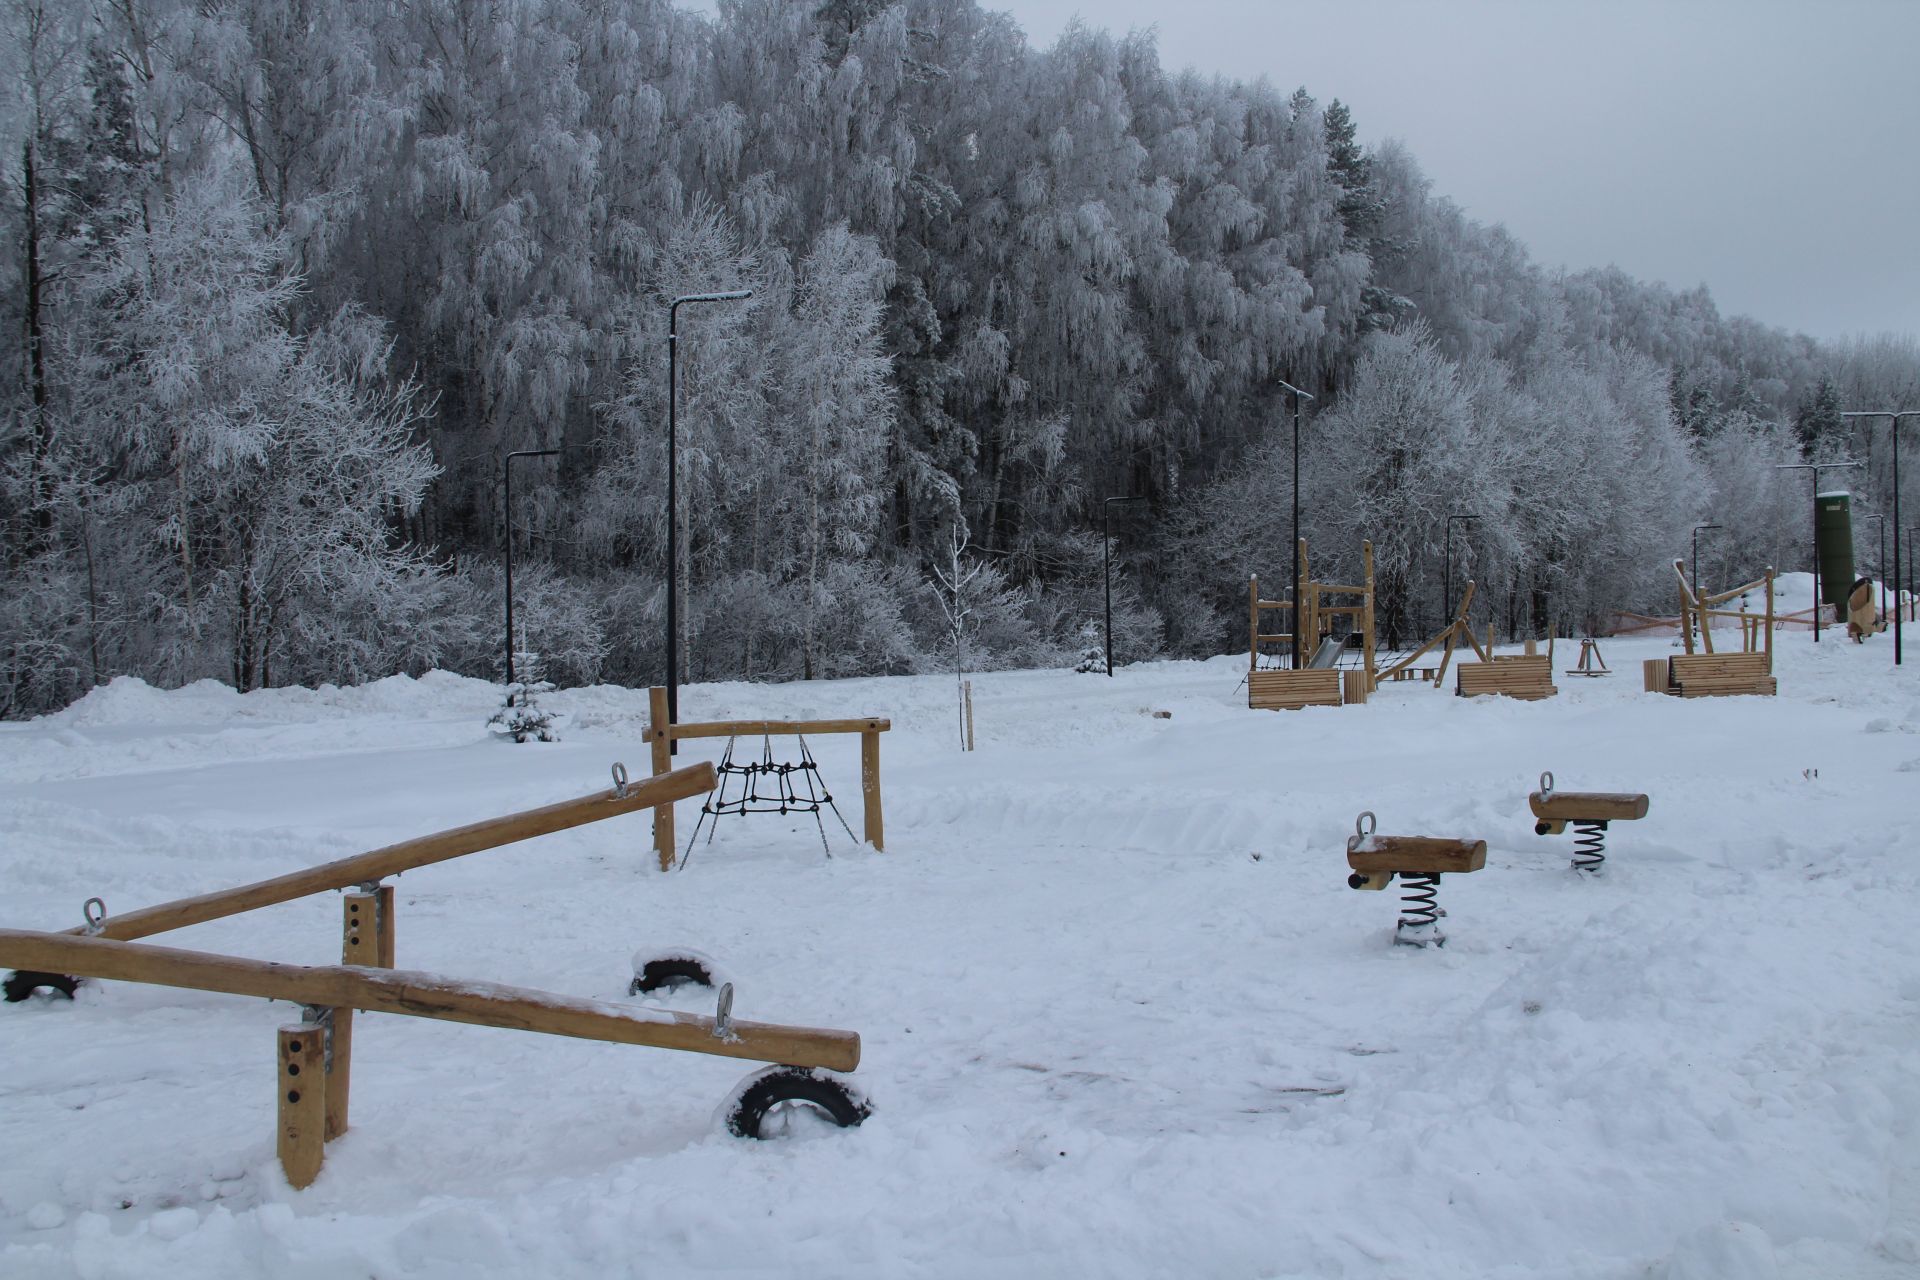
(662, 734)
(1707, 673)
(314, 1056)
(1320, 683)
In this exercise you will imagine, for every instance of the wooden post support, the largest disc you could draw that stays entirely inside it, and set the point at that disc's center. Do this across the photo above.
(969, 693)
(360, 939)
(1253, 622)
(384, 926)
(339, 1064)
(303, 1102)
(876, 831)
(662, 762)
(369, 928)
(1769, 619)
(1369, 651)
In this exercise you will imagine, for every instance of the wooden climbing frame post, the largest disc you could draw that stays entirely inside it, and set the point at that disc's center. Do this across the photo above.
(873, 820)
(662, 748)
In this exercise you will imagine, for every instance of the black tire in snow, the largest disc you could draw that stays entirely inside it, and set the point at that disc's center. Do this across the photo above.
(767, 1089)
(22, 983)
(670, 971)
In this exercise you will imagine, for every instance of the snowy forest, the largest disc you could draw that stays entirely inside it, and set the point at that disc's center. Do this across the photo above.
(293, 277)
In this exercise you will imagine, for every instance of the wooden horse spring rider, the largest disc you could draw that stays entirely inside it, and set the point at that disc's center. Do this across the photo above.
(1589, 812)
(1419, 862)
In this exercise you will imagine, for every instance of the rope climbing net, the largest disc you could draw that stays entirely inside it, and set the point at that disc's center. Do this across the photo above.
(764, 785)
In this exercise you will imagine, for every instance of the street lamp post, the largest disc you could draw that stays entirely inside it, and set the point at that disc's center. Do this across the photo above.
(1893, 429)
(1880, 562)
(506, 477)
(1106, 559)
(1896, 570)
(1446, 602)
(1295, 580)
(1815, 468)
(673, 493)
(1696, 557)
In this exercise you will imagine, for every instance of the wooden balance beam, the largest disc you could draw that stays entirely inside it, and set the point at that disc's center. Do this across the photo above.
(314, 1061)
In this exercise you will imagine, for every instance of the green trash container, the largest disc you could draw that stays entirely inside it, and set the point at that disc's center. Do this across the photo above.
(1833, 539)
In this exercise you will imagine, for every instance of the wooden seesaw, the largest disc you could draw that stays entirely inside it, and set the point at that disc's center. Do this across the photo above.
(1589, 812)
(369, 911)
(319, 1049)
(1419, 861)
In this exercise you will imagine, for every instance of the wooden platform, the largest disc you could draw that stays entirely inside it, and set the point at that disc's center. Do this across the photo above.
(1712, 675)
(1291, 690)
(1527, 678)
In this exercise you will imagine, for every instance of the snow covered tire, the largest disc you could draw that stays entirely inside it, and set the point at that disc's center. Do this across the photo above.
(22, 983)
(766, 1089)
(670, 971)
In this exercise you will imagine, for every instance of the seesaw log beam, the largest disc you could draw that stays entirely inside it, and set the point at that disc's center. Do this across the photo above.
(425, 995)
(366, 868)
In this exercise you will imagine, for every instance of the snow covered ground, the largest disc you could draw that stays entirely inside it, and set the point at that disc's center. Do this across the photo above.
(1121, 1014)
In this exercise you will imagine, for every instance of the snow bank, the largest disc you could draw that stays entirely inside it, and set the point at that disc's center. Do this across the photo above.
(1119, 1009)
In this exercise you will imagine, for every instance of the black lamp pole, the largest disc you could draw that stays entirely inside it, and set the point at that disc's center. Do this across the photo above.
(1446, 604)
(673, 492)
(1696, 556)
(1893, 428)
(506, 476)
(1106, 557)
(1295, 580)
(1880, 562)
(1896, 570)
(1815, 468)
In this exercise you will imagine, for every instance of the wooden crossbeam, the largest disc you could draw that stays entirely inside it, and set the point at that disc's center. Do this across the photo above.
(753, 728)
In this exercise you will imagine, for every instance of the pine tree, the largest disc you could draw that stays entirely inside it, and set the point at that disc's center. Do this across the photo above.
(1818, 420)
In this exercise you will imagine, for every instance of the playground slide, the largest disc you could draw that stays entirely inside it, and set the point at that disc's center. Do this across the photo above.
(1328, 653)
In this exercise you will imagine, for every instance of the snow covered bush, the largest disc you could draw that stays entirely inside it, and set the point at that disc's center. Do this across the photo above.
(521, 717)
(1093, 651)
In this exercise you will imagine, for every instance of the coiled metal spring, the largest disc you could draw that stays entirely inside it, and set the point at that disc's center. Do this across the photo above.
(1590, 843)
(1419, 910)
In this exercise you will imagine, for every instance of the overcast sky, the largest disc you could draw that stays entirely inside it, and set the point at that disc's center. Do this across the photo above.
(1768, 148)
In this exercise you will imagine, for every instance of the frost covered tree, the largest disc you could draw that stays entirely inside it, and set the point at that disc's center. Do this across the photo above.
(265, 467)
(830, 427)
(977, 607)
